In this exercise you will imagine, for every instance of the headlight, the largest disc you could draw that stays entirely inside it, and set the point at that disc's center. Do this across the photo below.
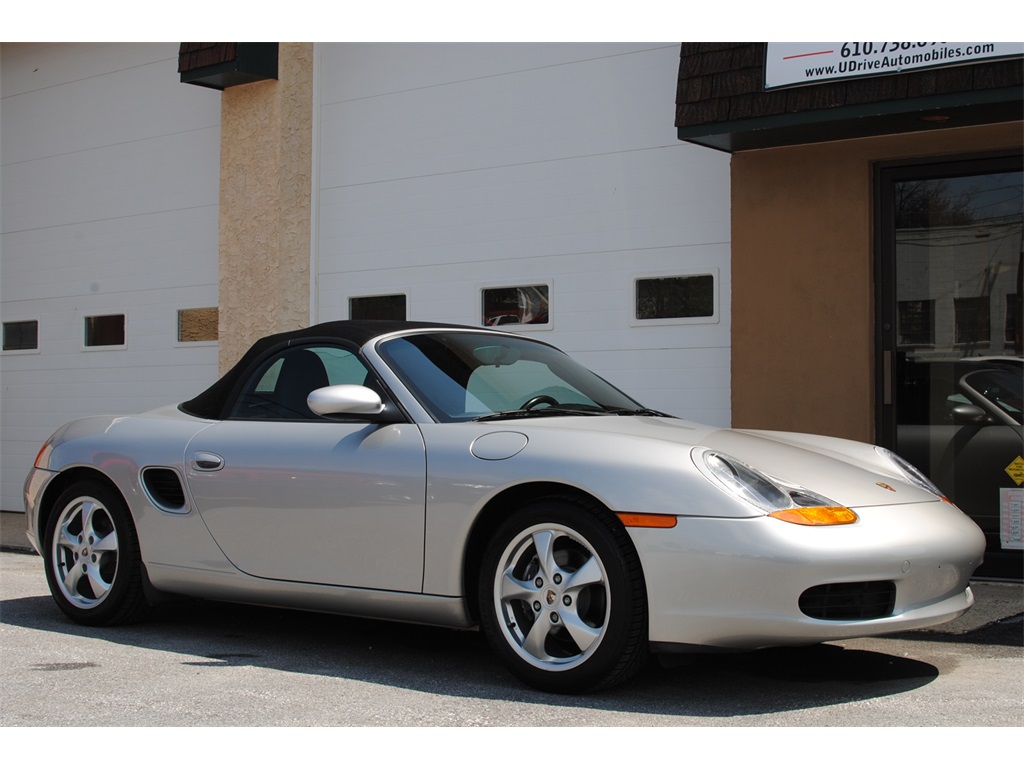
(909, 471)
(791, 504)
(744, 481)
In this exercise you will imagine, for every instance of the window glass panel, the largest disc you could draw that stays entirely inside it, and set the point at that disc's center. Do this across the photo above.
(1011, 322)
(268, 381)
(104, 331)
(951, 369)
(957, 248)
(916, 322)
(22, 334)
(390, 307)
(198, 324)
(460, 376)
(972, 320)
(503, 388)
(342, 366)
(660, 298)
(279, 388)
(515, 305)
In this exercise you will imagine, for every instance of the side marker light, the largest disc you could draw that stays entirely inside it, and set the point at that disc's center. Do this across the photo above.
(638, 520)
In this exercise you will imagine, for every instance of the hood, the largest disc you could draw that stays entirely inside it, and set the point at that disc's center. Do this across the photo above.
(850, 473)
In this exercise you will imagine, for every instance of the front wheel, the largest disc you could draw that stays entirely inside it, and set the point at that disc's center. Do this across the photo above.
(92, 559)
(562, 598)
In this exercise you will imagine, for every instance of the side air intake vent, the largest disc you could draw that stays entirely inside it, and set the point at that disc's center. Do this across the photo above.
(164, 488)
(850, 601)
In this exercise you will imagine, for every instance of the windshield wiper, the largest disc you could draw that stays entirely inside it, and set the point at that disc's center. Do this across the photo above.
(638, 412)
(533, 413)
(582, 410)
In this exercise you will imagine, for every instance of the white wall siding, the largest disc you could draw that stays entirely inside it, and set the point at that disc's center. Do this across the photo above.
(110, 183)
(447, 168)
(439, 170)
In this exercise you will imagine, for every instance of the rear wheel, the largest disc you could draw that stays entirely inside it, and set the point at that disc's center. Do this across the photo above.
(562, 597)
(91, 551)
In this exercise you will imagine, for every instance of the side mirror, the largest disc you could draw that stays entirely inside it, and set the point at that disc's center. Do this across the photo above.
(350, 400)
(967, 414)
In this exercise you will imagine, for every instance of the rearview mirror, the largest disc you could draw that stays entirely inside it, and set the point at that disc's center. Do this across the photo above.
(497, 355)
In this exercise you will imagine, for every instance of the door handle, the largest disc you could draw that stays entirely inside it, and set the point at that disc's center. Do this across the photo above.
(887, 377)
(204, 461)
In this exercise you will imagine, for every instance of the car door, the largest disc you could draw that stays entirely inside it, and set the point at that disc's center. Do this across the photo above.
(293, 496)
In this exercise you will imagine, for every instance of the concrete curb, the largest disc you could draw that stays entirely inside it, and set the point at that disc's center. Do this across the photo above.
(12, 532)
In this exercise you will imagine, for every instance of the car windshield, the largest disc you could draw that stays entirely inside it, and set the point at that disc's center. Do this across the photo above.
(459, 376)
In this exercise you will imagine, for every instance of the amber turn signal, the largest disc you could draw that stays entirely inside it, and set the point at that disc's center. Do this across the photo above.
(816, 515)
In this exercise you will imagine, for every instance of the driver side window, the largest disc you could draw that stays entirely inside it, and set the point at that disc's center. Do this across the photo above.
(278, 389)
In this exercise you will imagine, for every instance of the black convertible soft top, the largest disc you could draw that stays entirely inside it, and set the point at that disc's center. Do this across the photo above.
(211, 403)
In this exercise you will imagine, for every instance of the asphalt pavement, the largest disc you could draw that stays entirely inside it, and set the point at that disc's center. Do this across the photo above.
(197, 663)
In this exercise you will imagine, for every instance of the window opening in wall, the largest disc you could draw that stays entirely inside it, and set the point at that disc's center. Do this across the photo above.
(1011, 319)
(387, 307)
(915, 322)
(682, 296)
(104, 331)
(21, 335)
(515, 305)
(198, 324)
(972, 315)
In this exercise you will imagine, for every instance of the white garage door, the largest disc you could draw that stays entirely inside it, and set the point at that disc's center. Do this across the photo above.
(452, 174)
(110, 201)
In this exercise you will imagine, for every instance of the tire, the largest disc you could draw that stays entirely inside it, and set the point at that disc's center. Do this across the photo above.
(562, 597)
(91, 552)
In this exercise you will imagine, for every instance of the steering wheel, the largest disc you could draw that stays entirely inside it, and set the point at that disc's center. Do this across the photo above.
(536, 400)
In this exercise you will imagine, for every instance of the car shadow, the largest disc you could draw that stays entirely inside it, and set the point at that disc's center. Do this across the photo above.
(458, 663)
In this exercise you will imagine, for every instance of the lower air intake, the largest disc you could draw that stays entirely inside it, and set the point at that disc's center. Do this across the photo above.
(850, 601)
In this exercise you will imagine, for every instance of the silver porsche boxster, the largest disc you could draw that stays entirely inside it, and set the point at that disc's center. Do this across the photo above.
(469, 477)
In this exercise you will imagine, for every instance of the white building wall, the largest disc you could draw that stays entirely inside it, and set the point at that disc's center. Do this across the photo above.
(109, 184)
(446, 168)
(440, 170)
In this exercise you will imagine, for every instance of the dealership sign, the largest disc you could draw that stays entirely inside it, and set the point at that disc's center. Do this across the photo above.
(788, 64)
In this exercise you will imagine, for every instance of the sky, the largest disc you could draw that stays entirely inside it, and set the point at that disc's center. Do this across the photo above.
(464, 20)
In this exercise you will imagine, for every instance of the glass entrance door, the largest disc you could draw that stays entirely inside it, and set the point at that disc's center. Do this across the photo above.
(950, 337)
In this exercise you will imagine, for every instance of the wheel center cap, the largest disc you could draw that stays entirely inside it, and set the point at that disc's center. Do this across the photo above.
(550, 597)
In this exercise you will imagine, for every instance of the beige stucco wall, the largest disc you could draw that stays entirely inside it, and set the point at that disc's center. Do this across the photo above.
(802, 276)
(265, 204)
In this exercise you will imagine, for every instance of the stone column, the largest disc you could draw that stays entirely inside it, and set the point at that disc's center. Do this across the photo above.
(265, 204)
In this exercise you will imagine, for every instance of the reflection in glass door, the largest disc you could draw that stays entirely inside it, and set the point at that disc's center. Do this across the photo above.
(950, 337)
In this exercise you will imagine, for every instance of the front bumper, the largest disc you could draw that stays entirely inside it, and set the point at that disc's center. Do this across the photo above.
(736, 583)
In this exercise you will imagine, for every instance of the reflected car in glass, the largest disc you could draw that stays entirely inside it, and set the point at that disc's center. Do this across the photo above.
(962, 427)
(466, 477)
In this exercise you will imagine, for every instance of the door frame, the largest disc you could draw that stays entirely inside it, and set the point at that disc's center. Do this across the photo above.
(885, 175)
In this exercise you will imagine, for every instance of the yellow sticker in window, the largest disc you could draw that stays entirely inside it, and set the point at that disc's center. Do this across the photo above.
(1016, 470)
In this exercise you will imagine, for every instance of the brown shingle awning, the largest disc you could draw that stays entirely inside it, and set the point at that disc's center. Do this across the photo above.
(721, 100)
(222, 65)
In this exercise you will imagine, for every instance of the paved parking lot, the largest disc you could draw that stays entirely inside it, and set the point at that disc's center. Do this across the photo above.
(198, 663)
